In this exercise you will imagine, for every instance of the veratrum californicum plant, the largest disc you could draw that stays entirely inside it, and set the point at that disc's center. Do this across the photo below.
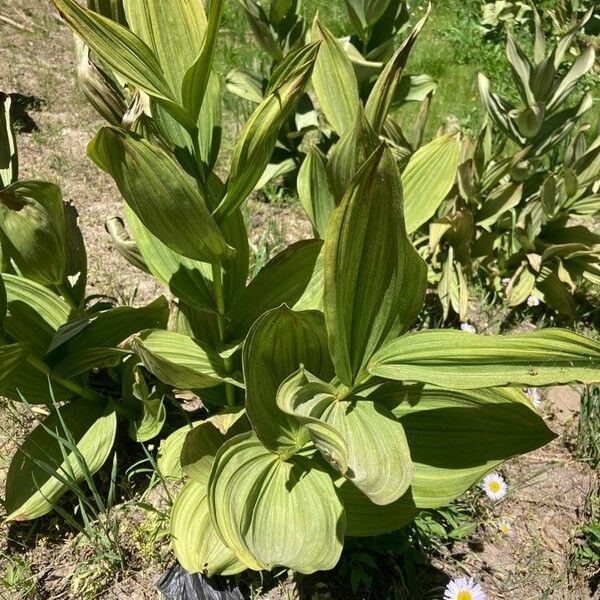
(330, 417)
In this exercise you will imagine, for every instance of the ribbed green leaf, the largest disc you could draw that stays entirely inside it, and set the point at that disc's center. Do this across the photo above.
(30, 488)
(162, 195)
(179, 360)
(349, 154)
(363, 518)
(173, 32)
(109, 328)
(204, 440)
(9, 158)
(34, 312)
(196, 544)
(150, 420)
(272, 286)
(197, 77)
(456, 437)
(169, 452)
(358, 437)
(314, 192)
(12, 357)
(91, 358)
(334, 81)
(427, 179)
(454, 359)
(118, 47)
(257, 140)
(33, 230)
(304, 533)
(308, 400)
(385, 88)
(374, 279)
(278, 343)
(190, 280)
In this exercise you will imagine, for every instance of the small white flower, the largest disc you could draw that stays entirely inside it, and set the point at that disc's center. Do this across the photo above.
(464, 589)
(505, 281)
(504, 527)
(533, 301)
(468, 328)
(535, 396)
(494, 486)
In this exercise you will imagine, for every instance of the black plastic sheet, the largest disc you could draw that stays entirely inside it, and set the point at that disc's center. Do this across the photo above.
(177, 584)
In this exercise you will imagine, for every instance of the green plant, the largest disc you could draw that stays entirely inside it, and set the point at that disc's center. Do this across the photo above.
(281, 29)
(329, 416)
(58, 343)
(525, 186)
(321, 437)
(495, 15)
(585, 553)
(588, 435)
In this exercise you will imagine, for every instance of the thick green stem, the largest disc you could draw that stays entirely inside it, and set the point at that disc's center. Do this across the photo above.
(80, 390)
(220, 301)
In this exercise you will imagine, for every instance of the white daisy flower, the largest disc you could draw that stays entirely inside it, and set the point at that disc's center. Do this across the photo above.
(504, 527)
(494, 486)
(468, 328)
(535, 396)
(464, 589)
(533, 301)
(505, 281)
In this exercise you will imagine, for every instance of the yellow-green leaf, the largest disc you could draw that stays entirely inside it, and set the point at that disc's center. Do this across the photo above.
(297, 518)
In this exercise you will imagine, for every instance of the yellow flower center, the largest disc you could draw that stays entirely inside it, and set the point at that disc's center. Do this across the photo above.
(505, 529)
(494, 487)
(464, 596)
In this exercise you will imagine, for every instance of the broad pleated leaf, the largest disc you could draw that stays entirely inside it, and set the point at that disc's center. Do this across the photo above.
(91, 358)
(179, 360)
(297, 518)
(30, 488)
(188, 279)
(372, 451)
(149, 422)
(173, 32)
(363, 518)
(9, 158)
(386, 86)
(349, 154)
(257, 140)
(12, 357)
(196, 544)
(34, 312)
(33, 230)
(197, 77)
(273, 285)
(314, 192)
(278, 343)
(454, 359)
(428, 178)
(169, 452)
(118, 47)
(334, 81)
(456, 437)
(308, 400)
(374, 278)
(163, 196)
(109, 327)
(204, 440)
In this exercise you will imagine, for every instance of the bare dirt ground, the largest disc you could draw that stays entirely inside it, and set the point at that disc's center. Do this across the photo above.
(549, 488)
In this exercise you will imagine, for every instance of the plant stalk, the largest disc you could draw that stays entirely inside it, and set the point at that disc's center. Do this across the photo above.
(220, 301)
